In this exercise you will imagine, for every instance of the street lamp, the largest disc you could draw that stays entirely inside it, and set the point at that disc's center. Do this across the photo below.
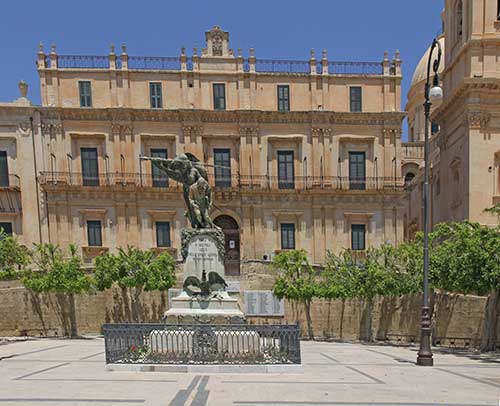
(432, 94)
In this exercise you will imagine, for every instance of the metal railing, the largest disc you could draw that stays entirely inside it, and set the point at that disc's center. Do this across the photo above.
(282, 66)
(136, 343)
(10, 182)
(240, 182)
(82, 61)
(355, 68)
(154, 62)
(174, 63)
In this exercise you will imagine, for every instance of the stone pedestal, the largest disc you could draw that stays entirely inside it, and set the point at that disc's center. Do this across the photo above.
(203, 250)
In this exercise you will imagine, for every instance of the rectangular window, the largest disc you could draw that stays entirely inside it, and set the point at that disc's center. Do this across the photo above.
(94, 233)
(155, 95)
(358, 237)
(286, 173)
(90, 167)
(4, 169)
(163, 234)
(287, 236)
(283, 98)
(222, 162)
(160, 178)
(498, 10)
(219, 96)
(355, 98)
(357, 170)
(434, 128)
(85, 93)
(6, 227)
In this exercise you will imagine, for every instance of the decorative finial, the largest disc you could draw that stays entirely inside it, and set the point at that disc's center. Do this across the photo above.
(124, 49)
(112, 49)
(313, 53)
(398, 54)
(386, 55)
(40, 47)
(252, 52)
(53, 49)
(183, 51)
(324, 55)
(240, 53)
(23, 88)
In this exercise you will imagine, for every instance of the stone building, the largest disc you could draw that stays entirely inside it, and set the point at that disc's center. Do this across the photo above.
(306, 154)
(465, 144)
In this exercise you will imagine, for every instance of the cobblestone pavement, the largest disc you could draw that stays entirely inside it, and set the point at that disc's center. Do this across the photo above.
(71, 372)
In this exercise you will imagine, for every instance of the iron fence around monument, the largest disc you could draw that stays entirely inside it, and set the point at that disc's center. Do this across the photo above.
(141, 343)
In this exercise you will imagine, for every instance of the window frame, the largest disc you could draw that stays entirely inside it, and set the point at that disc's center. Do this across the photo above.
(158, 177)
(9, 230)
(355, 241)
(159, 241)
(155, 100)
(98, 237)
(283, 101)
(93, 179)
(288, 230)
(85, 99)
(219, 98)
(222, 175)
(4, 177)
(286, 182)
(353, 104)
(357, 182)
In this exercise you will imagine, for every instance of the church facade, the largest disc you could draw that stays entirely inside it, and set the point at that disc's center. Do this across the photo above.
(301, 154)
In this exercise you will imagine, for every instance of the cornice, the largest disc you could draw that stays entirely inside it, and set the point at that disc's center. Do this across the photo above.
(246, 118)
(467, 85)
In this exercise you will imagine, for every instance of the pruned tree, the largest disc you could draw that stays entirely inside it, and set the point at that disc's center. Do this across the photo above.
(136, 271)
(61, 273)
(296, 281)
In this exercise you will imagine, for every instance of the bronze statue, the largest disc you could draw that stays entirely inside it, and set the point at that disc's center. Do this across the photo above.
(188, 170)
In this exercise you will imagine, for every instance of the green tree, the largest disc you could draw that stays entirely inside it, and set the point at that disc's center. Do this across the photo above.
(136, 271)
(338, 280)
(13, 256)
(56, 272)
(466, 259)
(296, 281)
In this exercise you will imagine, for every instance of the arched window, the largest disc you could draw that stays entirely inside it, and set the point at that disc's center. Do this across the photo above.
(409, 177)
(460, 19)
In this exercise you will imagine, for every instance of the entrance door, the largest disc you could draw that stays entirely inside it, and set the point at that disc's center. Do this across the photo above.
(232, 238)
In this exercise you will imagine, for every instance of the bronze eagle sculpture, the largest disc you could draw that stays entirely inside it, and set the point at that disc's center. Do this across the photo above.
(206, 287)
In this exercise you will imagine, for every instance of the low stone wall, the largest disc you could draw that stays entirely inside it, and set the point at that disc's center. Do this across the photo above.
(25, 313)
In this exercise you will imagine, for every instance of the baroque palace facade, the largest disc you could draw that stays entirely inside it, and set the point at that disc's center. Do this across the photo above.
(465, 136)
(307, 154)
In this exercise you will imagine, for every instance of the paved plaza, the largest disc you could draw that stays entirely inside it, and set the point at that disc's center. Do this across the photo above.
(72, 372)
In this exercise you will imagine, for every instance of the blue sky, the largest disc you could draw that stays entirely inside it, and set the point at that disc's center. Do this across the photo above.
(282, 29)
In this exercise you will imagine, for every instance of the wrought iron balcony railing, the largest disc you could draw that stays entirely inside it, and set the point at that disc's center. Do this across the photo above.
(241, 182)
(276, 65)
(12, 182)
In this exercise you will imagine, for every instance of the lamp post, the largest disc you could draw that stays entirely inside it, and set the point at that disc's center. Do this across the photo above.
(432, 94)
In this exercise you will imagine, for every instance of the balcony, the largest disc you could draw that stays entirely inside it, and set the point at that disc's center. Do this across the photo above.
(413, 150)
(115, 179)
(233, 182)
(10, 182)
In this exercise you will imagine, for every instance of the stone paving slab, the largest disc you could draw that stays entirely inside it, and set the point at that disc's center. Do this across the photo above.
(73, 372)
